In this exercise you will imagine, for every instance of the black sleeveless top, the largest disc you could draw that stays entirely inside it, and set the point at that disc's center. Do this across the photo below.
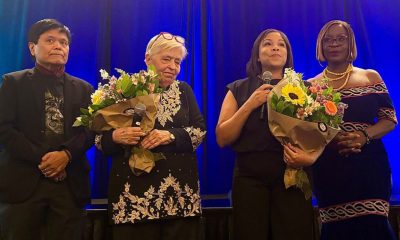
(258, 152)
(255, 135)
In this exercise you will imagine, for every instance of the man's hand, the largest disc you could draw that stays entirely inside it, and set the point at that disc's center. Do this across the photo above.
(60, 177)
(53, 163)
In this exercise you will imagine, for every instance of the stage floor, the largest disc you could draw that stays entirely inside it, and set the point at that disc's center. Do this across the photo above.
(216, 219)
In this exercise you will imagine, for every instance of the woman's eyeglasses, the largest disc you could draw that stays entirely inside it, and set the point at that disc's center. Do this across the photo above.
(168, 36)
(339, 40)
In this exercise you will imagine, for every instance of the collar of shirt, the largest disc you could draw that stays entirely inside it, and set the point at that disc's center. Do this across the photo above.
(56, 73)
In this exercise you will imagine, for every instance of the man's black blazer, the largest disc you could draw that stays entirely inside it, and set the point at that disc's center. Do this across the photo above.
(22, 134)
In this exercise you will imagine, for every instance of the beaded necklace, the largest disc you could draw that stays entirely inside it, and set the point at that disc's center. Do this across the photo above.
(340, 75)
(346, 73)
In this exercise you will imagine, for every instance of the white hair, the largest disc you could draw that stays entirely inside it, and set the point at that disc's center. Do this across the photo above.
(159, 43)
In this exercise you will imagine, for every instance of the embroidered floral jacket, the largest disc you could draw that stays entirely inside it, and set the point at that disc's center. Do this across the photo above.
(171, 189)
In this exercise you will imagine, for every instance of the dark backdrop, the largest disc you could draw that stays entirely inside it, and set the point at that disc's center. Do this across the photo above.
(219, 34)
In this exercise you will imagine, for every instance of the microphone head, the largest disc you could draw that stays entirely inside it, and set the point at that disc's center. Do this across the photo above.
(266, 76)
(140, 109)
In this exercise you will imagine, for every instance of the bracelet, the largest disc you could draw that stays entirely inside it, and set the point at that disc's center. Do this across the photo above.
(68, 154)
(366, 136)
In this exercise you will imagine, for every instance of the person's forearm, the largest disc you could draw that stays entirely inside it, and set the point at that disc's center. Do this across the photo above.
(380, 129)
(79, 144)
(228, 131)
(108, 146)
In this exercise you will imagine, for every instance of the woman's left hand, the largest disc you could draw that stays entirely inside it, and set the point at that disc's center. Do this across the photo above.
(296, 158)
(155, 138)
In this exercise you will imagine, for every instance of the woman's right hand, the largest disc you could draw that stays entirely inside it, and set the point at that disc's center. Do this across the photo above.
(259, 96)
(346, 143)
(127, 135)
(295, 157)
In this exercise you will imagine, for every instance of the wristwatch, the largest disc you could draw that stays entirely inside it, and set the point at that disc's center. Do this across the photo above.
(172, 137)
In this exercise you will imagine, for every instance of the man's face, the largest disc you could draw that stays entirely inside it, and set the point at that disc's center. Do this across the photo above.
(51, 49)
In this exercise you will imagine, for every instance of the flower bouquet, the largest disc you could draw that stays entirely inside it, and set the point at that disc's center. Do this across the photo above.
(112, 105)
(306, 116)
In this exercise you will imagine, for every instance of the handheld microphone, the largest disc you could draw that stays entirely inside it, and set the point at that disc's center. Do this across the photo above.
(138, 112)
(266, 78)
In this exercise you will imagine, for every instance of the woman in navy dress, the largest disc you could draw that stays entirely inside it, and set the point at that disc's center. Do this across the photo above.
(352, 178)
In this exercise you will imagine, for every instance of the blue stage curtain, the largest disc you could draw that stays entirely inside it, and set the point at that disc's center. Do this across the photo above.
(219, 35)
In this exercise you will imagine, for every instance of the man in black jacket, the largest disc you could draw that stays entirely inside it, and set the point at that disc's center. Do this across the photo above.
(44, 175)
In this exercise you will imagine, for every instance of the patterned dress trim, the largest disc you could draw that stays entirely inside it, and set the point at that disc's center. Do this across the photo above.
(168, 200)
(196, 135)
(384, 113)
(170, 104)
(353, 126)
(354, 209)
(364, 90)
(387, 113)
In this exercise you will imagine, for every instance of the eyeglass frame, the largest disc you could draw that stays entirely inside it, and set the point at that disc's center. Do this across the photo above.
(330, 40)
(177, 38)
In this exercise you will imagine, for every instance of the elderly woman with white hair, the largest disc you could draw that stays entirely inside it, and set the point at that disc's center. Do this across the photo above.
(165, 203)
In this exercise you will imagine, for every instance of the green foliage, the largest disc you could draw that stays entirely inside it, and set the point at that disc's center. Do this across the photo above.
(126, 86)
(289, 109)
(84, 111)
(303, 183)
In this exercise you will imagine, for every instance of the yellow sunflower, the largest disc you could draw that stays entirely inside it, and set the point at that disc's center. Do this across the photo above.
(294, 94)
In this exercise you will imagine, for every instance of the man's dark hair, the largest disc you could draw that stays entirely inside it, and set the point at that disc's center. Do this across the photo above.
(45, 25)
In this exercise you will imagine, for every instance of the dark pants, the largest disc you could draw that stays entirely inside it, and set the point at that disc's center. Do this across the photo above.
(270, 212)
(50, 213)
(171, 229)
